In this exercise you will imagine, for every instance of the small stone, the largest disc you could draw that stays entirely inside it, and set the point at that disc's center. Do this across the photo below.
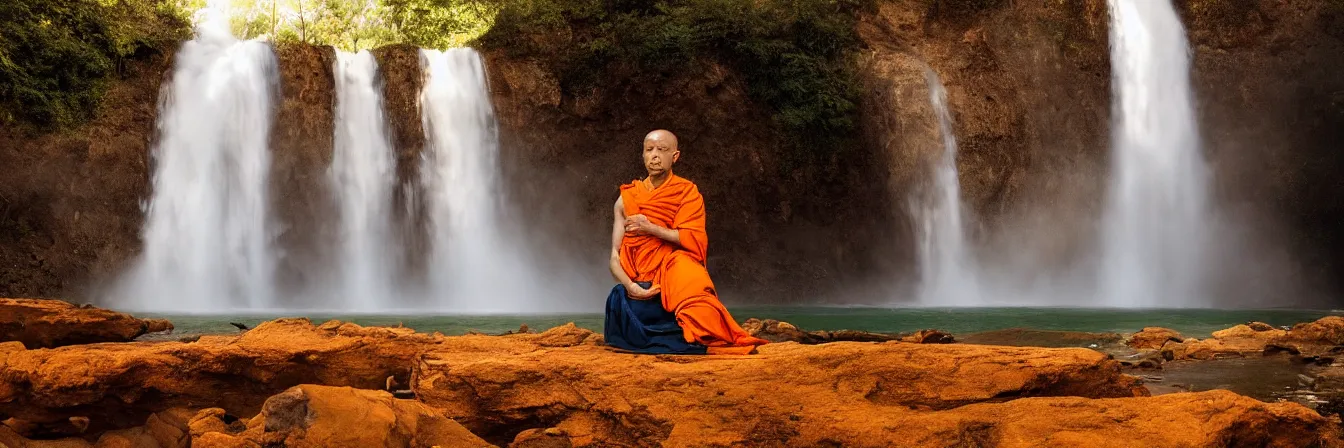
(1260, 326)
(80, 423)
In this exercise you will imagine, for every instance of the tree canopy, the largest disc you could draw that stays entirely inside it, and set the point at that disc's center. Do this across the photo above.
(57, 55)
(354, 25)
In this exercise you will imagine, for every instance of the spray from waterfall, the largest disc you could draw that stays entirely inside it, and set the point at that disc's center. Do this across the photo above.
(207, 226)
(947, 271)
(1156, 218)
(363, 176)
(475, 265)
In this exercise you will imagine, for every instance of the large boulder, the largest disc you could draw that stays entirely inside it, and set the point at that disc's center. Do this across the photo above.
(324, 416)
(1327, 330)
(1254, 332)
(1322, 337)
(45, 323)
(119, 385)
(1153, 338)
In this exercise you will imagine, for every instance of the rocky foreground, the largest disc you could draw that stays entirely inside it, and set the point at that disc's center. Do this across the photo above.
(291, 382)
(41, 323)
(1322, 339)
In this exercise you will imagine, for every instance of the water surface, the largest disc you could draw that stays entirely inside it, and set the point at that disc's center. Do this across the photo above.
(1191, 322)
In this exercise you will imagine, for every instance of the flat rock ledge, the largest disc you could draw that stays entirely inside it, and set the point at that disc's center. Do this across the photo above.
(119, 384)
(290, 382)
(45, 323)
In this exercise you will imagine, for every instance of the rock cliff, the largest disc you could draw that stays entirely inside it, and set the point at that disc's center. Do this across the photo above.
(1029, 89)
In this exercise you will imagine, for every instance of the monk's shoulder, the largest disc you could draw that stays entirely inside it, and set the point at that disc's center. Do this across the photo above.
(688, 187)
(683, 183)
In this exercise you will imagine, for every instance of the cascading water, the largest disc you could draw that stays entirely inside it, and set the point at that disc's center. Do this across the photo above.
(473, 267)
(362, 178)
(947, 274)
(206, 234)
(1154, 225)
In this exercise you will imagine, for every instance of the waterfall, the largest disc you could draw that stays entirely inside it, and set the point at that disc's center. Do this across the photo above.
(363, 177)
(947, 273)
(1155, 219)
(207, 226)
(475, 266)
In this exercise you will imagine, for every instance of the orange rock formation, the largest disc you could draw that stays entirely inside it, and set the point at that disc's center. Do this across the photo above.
(291, 383)
(39, 323)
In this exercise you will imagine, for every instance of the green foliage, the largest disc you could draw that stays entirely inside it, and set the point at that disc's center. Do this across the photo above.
(794, 54)
(354, 25)
(434, 23)
(56, 56)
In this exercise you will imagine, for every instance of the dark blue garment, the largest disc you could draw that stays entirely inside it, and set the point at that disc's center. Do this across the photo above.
(643, 326)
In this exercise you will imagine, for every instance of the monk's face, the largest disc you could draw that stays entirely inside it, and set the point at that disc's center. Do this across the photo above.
(659, 154)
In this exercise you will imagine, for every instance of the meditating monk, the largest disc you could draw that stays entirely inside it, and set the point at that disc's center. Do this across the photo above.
(658, 248)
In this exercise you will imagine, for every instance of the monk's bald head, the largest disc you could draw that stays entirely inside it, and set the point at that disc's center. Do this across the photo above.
(662, 135)
(660, 152)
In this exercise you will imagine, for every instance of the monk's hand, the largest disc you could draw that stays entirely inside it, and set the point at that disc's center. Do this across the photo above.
(639, 225)
(639, 293)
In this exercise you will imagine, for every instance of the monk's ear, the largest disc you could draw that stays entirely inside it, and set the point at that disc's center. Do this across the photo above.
(676, 156)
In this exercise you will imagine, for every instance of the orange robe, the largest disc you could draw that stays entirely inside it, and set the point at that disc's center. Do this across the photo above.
(679, 270)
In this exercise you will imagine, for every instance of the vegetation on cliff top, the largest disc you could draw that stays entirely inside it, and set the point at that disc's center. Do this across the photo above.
(353, 25)
(793, 54)
(56, 56)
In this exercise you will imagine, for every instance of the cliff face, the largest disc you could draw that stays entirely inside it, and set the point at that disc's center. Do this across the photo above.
(70, 201)
(302, 143)
(1270, 86)
(1028, 88)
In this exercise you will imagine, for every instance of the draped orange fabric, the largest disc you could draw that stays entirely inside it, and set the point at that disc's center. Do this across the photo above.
(680, 271)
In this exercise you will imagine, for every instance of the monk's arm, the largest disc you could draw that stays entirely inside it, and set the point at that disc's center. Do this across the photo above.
(665, 234)
(647, 227)
(617, 232)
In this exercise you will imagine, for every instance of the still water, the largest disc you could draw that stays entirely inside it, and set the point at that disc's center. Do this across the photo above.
(1192, 323)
